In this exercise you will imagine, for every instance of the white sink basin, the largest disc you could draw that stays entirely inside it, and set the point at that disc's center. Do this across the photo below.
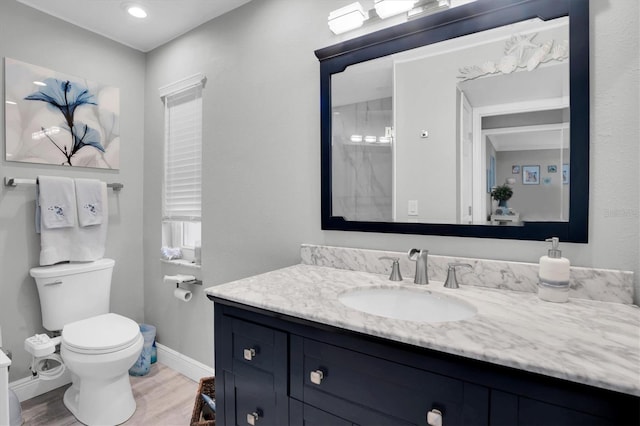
(408, 304)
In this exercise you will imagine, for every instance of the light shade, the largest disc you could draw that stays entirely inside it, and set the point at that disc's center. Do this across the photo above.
(387, 8)
(347, 18)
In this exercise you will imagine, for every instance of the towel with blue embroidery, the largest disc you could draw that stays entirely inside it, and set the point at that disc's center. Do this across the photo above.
(57, 200)
(89, 201)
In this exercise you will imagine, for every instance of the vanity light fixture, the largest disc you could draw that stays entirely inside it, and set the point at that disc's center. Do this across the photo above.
(10, 102)
(353, 16)
(370, 139)
(40, 83)
(347, 18)
(384, 139)
(356, 138)
(388, 8)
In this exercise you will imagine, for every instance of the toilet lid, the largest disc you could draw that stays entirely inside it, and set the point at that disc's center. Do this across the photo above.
(100, 334)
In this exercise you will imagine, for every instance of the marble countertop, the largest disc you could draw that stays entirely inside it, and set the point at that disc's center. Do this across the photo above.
(590, 342)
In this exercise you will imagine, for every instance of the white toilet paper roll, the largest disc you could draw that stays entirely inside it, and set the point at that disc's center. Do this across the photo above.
(182, 294)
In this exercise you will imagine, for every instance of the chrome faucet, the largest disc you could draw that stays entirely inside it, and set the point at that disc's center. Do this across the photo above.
(451, 281)
(420, 257)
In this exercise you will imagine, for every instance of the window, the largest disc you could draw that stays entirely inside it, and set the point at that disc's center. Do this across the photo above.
(182, 185)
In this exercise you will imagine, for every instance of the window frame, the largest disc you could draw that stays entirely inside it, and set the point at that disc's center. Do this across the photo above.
(174, 232)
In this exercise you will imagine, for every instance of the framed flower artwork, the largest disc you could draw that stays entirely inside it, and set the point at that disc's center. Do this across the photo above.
(55, 118)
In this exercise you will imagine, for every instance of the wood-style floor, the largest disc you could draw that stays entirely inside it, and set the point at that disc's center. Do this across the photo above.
(163, 397)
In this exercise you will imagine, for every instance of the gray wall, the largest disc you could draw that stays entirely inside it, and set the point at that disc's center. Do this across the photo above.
(36, 38)
(261, 151)
(546, 202)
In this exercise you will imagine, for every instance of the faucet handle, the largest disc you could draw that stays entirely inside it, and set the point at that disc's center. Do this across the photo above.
(451, 281)
(395, 268)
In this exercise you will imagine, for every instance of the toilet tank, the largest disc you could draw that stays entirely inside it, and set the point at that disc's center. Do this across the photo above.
(73, 291)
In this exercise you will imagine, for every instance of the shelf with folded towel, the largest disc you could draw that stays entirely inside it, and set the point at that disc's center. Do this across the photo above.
(13, 182)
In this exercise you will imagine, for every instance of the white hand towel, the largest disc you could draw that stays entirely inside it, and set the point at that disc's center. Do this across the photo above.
(89, 199)
(57, 202)
(75, 244)
(89, 242)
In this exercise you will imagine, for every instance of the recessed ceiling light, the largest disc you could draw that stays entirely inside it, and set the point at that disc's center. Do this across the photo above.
(137, 12)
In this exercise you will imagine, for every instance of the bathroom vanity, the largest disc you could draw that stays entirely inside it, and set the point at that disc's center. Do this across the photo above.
(289, 352)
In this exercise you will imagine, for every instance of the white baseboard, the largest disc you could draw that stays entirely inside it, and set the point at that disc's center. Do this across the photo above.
(30, 387)
(184, 365)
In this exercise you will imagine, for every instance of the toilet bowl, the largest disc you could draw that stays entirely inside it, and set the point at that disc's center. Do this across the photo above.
(99, 352)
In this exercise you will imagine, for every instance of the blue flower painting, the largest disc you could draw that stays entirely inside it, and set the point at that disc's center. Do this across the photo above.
(58, 119)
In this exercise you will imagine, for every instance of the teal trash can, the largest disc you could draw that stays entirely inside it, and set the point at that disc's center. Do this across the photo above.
(143, 364)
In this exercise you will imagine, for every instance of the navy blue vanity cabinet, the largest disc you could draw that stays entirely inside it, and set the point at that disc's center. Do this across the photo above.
(273, 369)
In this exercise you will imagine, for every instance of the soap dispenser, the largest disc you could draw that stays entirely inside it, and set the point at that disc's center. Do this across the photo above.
(553, 275)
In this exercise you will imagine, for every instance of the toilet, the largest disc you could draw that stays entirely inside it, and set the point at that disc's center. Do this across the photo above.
(96, 346)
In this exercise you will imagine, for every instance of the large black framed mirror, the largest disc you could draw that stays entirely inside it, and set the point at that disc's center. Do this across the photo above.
(422, 122)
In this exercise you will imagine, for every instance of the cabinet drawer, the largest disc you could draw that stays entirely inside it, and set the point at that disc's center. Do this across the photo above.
(331, 374)
(303, 414)
(260, 348)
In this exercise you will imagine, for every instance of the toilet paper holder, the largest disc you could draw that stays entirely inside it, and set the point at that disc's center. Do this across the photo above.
(180, 293)
(182, 279)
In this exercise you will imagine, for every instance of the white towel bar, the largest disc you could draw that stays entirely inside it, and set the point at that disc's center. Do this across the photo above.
(13, 182)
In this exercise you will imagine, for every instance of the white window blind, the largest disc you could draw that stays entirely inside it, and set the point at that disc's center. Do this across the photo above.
(183, 155)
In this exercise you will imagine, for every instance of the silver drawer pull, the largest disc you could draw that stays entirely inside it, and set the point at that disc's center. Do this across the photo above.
(434, 417)
(316, 377)
(252, 418)
(58, 282)
(249, 354)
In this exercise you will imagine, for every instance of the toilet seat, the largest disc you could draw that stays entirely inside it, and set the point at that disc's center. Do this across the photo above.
(100, 334)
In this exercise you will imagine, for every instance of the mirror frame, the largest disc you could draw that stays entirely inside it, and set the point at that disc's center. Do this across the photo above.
(463, 20)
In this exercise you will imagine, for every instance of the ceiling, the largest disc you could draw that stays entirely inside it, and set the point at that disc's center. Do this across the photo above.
(166, 20)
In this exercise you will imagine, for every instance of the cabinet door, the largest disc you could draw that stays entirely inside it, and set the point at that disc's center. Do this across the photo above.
(261, 348)
(251, 400)
(252, 363)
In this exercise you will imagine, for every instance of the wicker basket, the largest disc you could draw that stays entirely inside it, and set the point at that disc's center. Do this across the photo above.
(208, 387)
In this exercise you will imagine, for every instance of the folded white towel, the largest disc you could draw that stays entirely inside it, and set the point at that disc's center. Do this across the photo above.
(89, 199)
(75, 244)
(89, 242)
(57, 202)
